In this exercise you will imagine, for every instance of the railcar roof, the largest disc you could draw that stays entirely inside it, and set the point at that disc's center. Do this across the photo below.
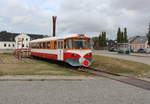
(46, 39)
(56, 38)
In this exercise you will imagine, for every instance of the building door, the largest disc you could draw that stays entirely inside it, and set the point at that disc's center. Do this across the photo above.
(60, 50)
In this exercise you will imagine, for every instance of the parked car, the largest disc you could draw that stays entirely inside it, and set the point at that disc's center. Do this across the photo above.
(141, 50)
(112, 49)
(148, 50)
(133, 50)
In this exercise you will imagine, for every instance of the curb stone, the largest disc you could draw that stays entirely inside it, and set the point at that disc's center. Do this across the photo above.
(43, 78)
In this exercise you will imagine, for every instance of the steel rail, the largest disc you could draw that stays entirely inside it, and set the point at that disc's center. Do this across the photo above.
(139, 83)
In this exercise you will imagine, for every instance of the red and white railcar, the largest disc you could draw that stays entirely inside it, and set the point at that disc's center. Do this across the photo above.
(75, 50)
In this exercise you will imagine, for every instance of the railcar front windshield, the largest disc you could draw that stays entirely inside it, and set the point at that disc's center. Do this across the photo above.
(78, 44)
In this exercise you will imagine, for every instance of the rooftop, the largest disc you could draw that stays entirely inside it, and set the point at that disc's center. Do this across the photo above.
(138, 40)
(7, 36)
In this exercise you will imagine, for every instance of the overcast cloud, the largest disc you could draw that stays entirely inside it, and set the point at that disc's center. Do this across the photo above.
(75, 16)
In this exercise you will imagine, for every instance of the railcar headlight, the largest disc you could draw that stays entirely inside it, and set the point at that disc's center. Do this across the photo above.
(74, 54)
(89, 54)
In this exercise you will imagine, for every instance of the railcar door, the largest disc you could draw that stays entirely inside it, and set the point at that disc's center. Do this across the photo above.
(60, 50)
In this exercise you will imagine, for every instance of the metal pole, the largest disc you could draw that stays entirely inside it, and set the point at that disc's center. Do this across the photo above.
(54, 25)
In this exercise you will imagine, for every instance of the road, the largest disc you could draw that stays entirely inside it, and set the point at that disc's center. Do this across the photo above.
(137, 58)
(94, 91)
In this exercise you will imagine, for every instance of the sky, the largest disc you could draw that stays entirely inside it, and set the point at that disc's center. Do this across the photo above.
(75, 16)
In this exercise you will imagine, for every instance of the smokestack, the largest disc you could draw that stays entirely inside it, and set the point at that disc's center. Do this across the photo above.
(54, 25)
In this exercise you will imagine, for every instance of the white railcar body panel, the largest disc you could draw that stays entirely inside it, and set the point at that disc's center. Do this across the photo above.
(47, 51)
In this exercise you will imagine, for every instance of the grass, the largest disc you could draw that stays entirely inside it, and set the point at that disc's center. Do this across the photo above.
(9, 65)
(120, 66)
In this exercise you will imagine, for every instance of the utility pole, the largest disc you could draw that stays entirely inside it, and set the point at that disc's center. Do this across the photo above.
(54, 25)
(148, 35)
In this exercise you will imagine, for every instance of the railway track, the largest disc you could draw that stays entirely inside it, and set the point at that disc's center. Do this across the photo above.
(121, 78)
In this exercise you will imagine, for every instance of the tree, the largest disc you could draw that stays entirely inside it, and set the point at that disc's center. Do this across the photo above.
(125, 35)
(100, 40)
(148, 36)
(118, 35)
(104, 40)
(121, 37)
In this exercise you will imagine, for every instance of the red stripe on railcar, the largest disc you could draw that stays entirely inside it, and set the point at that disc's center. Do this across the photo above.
(44, 55)
(89, 55)
(71, 55)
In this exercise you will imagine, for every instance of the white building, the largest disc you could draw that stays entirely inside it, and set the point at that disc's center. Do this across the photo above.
(138, 42)
(22, 41)
(12, 41)
(7, 45)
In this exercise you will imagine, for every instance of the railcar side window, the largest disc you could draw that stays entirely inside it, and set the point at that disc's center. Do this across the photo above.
(92, 43)
(68, 44)
(44, 45)
(37, 45)
(32, 45)
(41, 45)
(48, 44)
(60, 44)
(55, 44)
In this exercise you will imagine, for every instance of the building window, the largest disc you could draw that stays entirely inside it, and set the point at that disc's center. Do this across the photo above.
(22, 45)
(5, 45)
(9, 45)
(22, 39)
(26, 39)
(13, 45)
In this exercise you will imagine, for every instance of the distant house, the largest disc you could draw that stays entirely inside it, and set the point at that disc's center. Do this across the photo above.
(138, 42)
(16, 40)
(111, 43)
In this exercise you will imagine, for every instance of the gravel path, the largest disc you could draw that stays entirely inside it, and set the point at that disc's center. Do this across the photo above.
(93, 91)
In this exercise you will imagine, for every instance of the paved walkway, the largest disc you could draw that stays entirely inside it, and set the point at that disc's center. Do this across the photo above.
(97, 91)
